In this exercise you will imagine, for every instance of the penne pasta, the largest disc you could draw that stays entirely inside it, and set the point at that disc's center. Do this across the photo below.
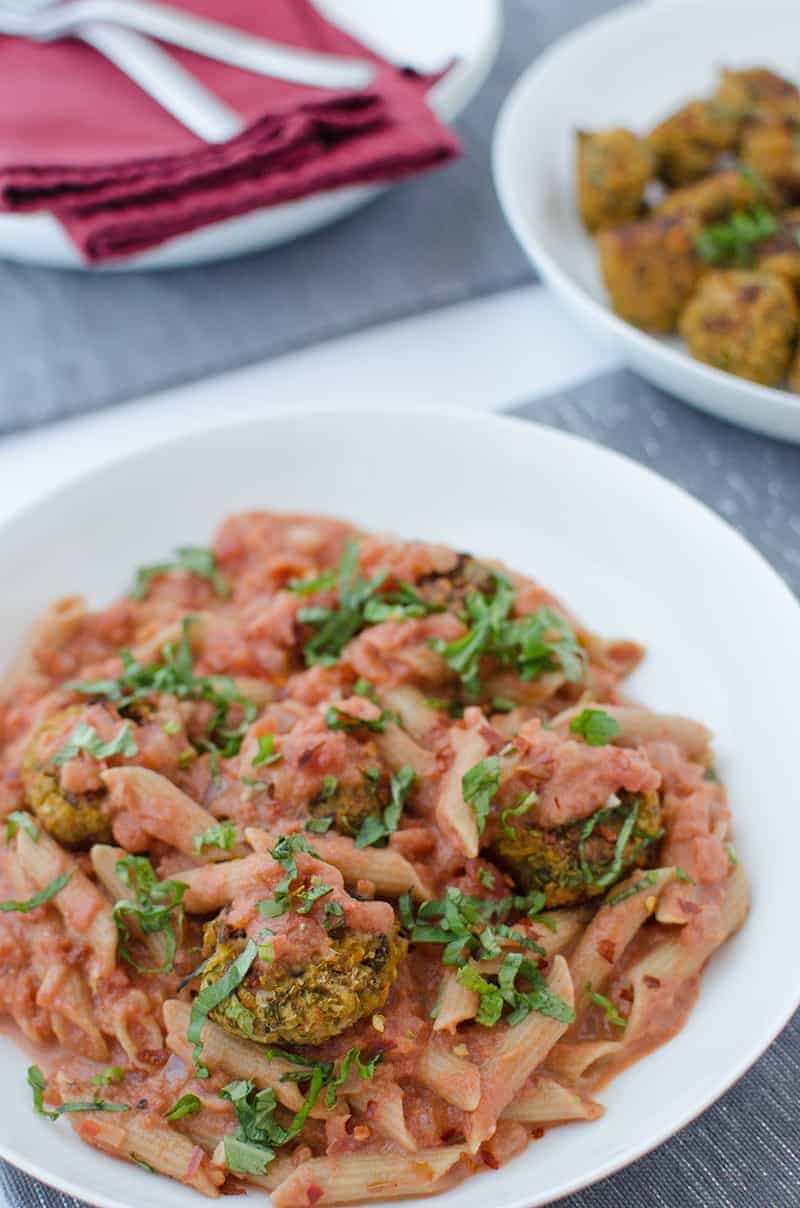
(453, 1078)
(453, 816)
(84, 909)
(518, 1051)
(161, 809)
(545, 1101)
(389, 872)
(238, 1058)
(455, 1005)
(352, 1178)
(161, 1148)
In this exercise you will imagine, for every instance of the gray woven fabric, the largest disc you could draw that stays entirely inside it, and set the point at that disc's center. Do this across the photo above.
(72, 342)
(745, 1151)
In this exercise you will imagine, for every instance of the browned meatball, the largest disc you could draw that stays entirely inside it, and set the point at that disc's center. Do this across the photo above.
(613, 168)
(718, 196)
(688, 143)
(780, 254)
(650, 269)
(744, 323)
(758, 90)
(771, 148)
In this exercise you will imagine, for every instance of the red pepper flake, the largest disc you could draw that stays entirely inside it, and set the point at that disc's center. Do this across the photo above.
(489, 1158)
(450, 1135)
(607, 950)
(537, 1133)
(627, 994)
(688, 907)
(313, 1195)
(651, 982)
(154, 1057)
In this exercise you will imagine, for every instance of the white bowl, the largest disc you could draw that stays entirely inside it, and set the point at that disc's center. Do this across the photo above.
(631, 68)
(404, 31)
(631, 553)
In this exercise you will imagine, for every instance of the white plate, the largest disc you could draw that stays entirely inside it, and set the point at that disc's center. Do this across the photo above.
(428, 36)
(631, 68)
(631, 553)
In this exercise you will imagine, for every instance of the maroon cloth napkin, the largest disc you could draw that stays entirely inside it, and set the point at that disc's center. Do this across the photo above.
(81, 140)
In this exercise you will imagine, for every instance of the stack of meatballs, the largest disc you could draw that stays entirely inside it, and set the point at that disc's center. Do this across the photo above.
(695, 228)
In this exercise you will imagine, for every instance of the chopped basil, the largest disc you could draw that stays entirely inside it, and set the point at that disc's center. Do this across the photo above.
(595, 727)
(606, 1006)
(85, 738)
(360, 602)
(734, 241)
(503, 704)
(38, 1085)
(211, 996)
(464, 925)
(110, 1076)
(222, 835)
(16, 820)
(175, 676)
(366, 1070)
(38, 899)
(516, 811)
(333, 916)
(730, 851)
(191, 558)
(486, 878)
(335, 719)
(488, 615)
(319, 826)
(602, 878)
(479, 786)
(187, 1105)
(533, 644)
(155, 907)
(284, 852)
(647, 881)
(362, 687)
(378, 828)
(312, 895)
(266, 751)
(495, 996)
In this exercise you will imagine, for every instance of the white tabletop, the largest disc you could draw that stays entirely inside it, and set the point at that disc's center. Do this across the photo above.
(484, 355)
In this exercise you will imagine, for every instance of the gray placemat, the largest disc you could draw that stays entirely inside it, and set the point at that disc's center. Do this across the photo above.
(72, 342)
(745, 1151)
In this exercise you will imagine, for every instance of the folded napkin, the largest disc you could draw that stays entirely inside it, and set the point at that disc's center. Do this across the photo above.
(81, 140)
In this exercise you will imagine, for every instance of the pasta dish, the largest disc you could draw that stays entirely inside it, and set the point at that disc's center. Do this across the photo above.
(342, 865)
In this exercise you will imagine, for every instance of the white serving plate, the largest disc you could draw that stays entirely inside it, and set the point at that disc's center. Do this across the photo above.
(631, 68)
(427, 36)
(632, 554)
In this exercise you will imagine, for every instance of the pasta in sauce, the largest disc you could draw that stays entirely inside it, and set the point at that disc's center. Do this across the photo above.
(342, 866)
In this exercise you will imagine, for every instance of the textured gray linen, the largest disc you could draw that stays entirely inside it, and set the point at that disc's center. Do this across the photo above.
(73, 342)
(745, 1151)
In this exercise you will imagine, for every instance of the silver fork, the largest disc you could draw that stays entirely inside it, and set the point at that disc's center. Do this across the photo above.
(144, 62)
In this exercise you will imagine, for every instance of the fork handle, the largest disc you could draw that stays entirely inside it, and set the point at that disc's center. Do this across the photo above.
(162, 78)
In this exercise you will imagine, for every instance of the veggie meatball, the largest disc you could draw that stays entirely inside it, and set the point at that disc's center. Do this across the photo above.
(448, 589)
(577, 862)
(349, 802)
(743, 322)
(688, 143)
(718, 196)
(74, 819)
(307, 1002)
(613, 168)
(758, 90)
(770, 149)
(650, 269)
(780, 253)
